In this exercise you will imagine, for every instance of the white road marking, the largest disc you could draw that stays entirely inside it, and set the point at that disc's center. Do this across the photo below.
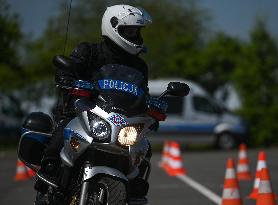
(203, 190)
(166, 186)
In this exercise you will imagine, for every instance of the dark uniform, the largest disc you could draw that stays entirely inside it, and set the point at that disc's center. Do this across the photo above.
(89, 58)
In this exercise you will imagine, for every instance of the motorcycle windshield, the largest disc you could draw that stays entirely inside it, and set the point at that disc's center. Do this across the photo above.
(123, 89)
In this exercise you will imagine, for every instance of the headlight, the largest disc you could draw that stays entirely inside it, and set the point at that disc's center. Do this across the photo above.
(128, 135)
(100, 129)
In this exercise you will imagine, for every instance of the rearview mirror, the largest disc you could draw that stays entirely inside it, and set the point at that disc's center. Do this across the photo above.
(178, 89)
(63, 62)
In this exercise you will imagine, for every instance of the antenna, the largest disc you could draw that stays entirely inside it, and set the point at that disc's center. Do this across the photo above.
(68, 21)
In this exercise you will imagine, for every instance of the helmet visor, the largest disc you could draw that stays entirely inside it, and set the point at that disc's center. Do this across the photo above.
(146, 16)
(131, 33)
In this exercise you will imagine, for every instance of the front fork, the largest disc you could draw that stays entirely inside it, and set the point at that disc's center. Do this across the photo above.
(91, 171)
(84, 193)
(85, 186)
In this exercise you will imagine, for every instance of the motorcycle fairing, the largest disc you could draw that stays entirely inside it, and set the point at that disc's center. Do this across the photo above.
(117, 120)
(68, 154)
(80, 127)
(31, 146)
(119, 85)
(123, 89)
(90, 172)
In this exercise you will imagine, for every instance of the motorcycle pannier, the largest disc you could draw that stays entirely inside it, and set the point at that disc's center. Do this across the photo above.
(36, 131)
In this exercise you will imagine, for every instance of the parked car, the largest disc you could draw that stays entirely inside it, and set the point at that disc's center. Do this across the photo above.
(10, 117)
(199, 118)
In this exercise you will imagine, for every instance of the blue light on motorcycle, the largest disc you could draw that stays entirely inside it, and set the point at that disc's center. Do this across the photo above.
(100, 129)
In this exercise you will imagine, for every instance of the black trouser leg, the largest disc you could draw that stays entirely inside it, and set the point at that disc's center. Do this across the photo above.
(56, 142)
(51, 160)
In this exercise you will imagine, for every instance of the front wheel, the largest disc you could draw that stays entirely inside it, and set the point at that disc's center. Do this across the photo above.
(107, 191)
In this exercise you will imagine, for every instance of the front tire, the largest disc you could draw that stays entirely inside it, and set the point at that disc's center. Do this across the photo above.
(107, 191)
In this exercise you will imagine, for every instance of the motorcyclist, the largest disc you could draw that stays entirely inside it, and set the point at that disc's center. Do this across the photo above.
(122, 43)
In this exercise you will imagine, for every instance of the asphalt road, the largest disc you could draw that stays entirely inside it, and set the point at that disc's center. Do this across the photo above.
(206, 167)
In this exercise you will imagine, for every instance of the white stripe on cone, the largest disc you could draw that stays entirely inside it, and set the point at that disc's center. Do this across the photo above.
(21, 169)
(230, 173)
(175, 152)
(230, 193)
(242, 168)
(261, 164)
(257, 183)
(242, 155)
(175, 163)
(265, 187)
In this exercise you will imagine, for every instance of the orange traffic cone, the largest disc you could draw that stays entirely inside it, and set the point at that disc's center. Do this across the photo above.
(165, 155)
(261, 163)
(174, 166)
(231, 194)
(243, 172)
(265, 195)
(31, 173)
(21, 171)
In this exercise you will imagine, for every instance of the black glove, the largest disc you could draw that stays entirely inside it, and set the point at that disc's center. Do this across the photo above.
(155, 126)
(65, 70)
(64, 78)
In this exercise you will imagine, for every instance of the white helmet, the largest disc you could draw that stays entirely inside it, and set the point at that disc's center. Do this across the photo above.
(122, 24)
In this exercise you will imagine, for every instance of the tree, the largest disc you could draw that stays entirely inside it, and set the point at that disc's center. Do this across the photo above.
(173, 22)
(257, 80)
(10, 36)
(84, 26)
(217, 61)
(174, 36)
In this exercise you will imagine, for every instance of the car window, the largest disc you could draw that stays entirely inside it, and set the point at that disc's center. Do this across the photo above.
(204, 105)
(175, 105)
(9, 107)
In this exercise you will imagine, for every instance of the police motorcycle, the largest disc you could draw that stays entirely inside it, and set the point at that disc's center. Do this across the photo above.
(105, 145)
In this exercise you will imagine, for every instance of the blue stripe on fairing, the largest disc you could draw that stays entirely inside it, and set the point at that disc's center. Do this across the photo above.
(84, 84)
(67, 133)
(109, 84)
(204, 128)
(35, 136)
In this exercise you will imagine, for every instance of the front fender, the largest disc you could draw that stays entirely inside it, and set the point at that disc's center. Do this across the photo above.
(90, 172)
(238, 128)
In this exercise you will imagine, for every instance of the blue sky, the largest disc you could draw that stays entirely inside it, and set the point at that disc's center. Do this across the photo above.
(235, 17)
